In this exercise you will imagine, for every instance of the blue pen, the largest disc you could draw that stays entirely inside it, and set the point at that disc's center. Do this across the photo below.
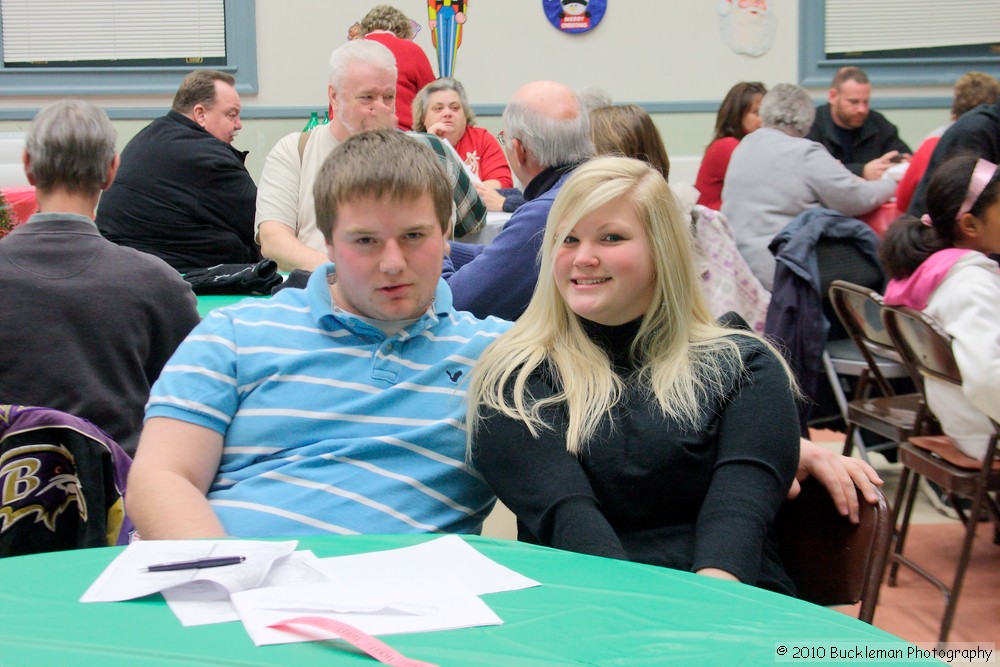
(197, 564)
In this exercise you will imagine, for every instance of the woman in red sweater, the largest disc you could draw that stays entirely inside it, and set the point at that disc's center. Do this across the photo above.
(441, 108)
(738, 116)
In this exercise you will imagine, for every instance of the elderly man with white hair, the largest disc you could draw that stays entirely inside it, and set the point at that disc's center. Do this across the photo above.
(776, 174)
(362, 94)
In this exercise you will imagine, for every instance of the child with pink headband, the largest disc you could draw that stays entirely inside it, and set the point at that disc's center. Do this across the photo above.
(939, 264)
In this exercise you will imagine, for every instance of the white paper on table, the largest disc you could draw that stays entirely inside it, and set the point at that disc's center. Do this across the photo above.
(896, 171)
(378, 608)
(444, 557)
(126, 577)
(203, 602)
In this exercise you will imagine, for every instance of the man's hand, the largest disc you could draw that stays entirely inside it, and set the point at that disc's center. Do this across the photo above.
(839, 475)
(874, 169)
(493, 199)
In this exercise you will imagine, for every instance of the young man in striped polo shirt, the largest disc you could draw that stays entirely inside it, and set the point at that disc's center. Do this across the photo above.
(338, 408)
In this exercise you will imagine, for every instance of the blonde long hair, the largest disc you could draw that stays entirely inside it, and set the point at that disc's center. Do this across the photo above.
(684, 356)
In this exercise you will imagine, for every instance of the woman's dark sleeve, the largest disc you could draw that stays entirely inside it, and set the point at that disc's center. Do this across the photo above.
(543, 484)
(758, 453)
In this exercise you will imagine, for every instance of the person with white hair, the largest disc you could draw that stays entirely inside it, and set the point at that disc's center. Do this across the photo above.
(362, 94)
(776, 173)
(87, 324)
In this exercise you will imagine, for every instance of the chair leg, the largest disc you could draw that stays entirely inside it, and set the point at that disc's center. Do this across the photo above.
(963, 564)
(853, 440)
(834, 380)
(908, 490)
(849, 440)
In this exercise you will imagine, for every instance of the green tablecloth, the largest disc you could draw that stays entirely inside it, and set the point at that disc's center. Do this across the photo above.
(589, 611)
(207, 304)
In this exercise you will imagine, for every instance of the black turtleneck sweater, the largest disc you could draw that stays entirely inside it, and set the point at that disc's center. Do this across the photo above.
(648, 489)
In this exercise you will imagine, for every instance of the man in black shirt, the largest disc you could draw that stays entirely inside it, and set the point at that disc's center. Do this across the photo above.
(182, 192)
(862, 139)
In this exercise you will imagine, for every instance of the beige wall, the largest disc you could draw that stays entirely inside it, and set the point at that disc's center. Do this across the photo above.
(642, 52)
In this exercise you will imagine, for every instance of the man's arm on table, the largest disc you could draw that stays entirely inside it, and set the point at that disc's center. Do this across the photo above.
(278, 242)
(167, 486)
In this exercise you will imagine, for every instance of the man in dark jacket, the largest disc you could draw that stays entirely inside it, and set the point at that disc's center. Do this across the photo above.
(182, 192)
(976, 131)
(862, 139)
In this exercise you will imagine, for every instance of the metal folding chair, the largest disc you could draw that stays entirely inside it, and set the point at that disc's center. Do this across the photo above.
(885, 413)
(831, 560)
(926, 351)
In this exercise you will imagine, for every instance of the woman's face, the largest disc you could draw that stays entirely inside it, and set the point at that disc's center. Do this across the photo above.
(445, 116)
(751, 119)
(604, 268)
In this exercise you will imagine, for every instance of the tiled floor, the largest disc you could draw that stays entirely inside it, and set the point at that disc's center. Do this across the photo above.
(914, 607)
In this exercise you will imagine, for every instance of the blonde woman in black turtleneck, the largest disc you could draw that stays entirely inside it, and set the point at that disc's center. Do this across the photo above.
(617, 417)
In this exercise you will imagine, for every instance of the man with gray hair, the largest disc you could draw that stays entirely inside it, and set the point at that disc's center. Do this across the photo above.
(546, 136)
(183, 192)
(362, 94)
(87, 324)
(776, 173)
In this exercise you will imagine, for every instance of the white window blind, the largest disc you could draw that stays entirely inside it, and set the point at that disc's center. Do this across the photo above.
(878, 25)
(106, 30)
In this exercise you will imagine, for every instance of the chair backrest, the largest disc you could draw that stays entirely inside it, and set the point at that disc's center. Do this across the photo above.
(831, 560)
(922, 344)
(842, 260)
(62, 483)
(859, 310)
(727, 282)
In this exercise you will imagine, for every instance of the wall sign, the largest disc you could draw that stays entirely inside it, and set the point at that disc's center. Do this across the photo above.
(574, 16)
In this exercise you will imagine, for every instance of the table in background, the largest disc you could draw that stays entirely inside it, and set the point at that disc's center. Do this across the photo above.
(22, 202)
(208, 303)
(589, 610)
(880, 218)
(494, 223)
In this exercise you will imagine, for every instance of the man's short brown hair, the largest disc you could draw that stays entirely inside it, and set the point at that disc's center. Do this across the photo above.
(378, 164)
(198, 87)
(850, 73)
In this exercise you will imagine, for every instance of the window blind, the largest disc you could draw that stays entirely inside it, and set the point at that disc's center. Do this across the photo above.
(879, 25)
(111, 30)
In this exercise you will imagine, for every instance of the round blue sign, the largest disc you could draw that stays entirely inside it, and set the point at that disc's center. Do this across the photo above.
(574, 16)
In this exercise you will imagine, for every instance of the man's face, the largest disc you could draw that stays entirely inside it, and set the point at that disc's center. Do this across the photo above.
(388, 257)
(222, 119)
(849, 104)
(367, 100)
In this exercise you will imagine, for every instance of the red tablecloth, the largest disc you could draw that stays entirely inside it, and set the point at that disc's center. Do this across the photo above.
(880, 219)
(21, 201)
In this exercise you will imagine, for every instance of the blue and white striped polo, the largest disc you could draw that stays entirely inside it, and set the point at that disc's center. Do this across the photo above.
(329, 425)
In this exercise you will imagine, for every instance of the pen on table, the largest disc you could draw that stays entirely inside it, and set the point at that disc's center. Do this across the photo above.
(197, 564)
